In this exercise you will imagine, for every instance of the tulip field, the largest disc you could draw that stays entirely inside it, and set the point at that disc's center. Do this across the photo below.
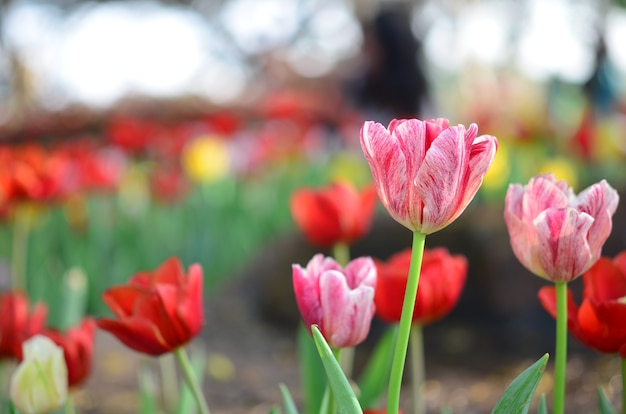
(130, 236)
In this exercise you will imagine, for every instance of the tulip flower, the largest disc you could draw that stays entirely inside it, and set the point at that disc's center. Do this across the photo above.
(338, 300)
(338, 213)
(554, 233)
(39, 384)
(77, 345)
(599, 321)
(18, 322)
(441, 281)
(558, 236)
(426, 172)
(156, 312)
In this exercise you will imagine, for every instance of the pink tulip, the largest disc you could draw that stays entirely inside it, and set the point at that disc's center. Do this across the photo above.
(426, 172)
(554, 233)
(340, 301)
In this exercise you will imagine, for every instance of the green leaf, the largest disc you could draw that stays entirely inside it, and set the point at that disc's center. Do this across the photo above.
(313, 374)
(290, 406)
(604, 403)
(375, 376)
(346, 401)
(519, 394)
(543, 406)
(446, 410)
(274, 410)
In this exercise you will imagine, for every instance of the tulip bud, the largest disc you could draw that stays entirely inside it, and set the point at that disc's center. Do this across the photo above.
(39, 384)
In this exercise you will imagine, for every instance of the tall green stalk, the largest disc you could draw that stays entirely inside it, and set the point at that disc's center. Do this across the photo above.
(561, 348)
(190, 378)
(418, 375)
(404, 329)
(623, 364)
(21, 228)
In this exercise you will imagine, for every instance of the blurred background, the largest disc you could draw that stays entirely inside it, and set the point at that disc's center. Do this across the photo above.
(131, 131)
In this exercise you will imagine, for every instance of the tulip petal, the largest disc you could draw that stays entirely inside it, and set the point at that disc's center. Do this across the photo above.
(440, 179)
(307, 292)
(316, 216)
(595, 333)
(121, 299)
(604, 282)
(385, 156)
(599, 201)
(138, 334)
(190, 308)
(347, 313)
(562, 247)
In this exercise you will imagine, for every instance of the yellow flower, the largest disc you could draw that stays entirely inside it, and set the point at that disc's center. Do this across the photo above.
(206, 159)
(39, 383)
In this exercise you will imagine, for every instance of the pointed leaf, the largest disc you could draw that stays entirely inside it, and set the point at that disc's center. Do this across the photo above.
(313, 374)
(519, 394)
(604, 403)
(290, 406)
(274, 410)
(346, 401)
(375, 376)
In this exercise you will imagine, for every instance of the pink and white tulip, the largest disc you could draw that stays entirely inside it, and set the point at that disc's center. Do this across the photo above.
(426, 172)
(554, 233)
(339, 300)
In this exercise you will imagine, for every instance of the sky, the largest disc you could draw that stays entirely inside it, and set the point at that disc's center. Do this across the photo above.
(102, 51)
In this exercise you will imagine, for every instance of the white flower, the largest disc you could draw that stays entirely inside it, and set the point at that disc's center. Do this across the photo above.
(39, 384)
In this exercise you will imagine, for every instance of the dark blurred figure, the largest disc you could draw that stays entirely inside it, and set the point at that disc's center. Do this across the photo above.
(394, 84)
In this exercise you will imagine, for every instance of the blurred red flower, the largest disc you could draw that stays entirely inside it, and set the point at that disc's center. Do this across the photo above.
(158, 311)
(599, 321)
(77, 344)
(338, 213)
(18, 323)
(441, 283)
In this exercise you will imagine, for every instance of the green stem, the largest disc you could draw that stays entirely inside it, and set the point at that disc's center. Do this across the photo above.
(418, 369)
(70, 406)
(341, 253)
(168, 377)
(561, 348)
(21, 227)
(404, 329)
(623, 363)
(192, 382)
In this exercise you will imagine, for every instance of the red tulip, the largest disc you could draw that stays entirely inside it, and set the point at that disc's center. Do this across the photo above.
(338, 213)
(77, 344)
(554, 233)
(426, 173)
(599, 321)
(339, 300)
(18, 323)
(441, 282)
(158, 311)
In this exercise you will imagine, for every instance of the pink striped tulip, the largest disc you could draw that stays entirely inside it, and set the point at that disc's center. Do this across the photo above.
(554, 233)
(426, 172)
(339, 301)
